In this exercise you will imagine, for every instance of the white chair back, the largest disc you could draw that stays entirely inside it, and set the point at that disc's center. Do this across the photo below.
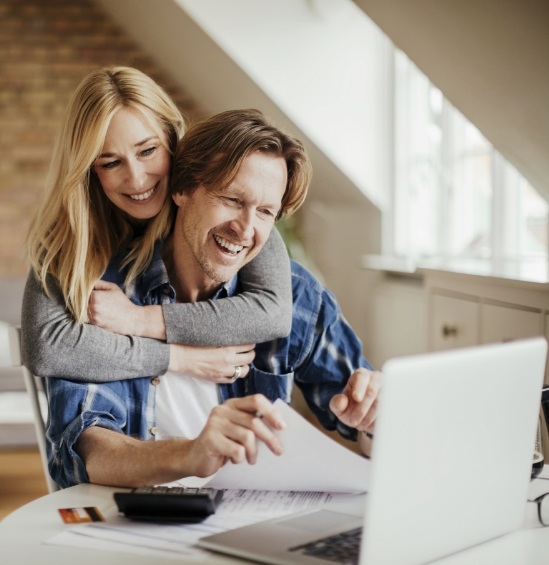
(37, 398)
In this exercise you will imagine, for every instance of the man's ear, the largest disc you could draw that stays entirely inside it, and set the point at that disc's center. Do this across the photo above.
(178, 198)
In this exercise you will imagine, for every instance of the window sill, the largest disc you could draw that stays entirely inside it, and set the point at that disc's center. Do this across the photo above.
(534, 272)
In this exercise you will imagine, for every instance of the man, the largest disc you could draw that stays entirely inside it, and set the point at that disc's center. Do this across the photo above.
(234, 176)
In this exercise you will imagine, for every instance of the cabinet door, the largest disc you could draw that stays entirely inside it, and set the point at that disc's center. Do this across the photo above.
(503, 323)
(454, 322)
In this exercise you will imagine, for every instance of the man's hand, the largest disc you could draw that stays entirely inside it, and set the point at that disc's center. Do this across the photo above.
(357, 405)
(232, 432)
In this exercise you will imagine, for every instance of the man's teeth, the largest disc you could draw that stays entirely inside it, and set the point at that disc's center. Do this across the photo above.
(228, 245)
(143, 195)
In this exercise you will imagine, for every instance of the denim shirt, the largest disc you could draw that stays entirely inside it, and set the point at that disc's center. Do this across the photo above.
(319, 356)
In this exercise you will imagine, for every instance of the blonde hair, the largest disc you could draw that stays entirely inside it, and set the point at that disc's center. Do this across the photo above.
(76, 230)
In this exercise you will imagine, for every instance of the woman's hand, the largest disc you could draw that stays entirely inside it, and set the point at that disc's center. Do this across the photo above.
(216, 364)
(110, 309)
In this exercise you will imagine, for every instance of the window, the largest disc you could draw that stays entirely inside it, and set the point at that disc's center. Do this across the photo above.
(455, 195)
(441, 188)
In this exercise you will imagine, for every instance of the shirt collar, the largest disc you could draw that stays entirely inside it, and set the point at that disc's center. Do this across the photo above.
(156, 276)
(230, 288)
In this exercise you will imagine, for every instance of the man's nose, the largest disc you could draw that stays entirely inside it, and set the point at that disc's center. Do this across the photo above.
(244, 224)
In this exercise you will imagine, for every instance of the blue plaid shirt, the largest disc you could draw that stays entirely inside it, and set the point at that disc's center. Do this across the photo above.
(319, 356)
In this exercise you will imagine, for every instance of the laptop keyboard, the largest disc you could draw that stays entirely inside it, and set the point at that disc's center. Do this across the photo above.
(339, 548)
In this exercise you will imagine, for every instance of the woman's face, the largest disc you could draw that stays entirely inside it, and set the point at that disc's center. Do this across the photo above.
(134, 165)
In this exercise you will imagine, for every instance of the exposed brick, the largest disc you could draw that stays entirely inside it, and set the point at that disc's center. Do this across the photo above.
(46, 48)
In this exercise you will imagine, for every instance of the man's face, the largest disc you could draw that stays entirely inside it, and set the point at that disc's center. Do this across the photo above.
(223, 229)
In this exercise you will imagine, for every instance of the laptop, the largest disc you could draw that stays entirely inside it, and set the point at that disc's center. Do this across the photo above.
(450, 468)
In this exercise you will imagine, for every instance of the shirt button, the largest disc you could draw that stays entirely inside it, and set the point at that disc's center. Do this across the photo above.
(155, 381)
(153, 431)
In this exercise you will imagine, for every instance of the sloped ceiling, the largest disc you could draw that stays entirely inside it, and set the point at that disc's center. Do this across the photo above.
(183, 49)
(490, 58)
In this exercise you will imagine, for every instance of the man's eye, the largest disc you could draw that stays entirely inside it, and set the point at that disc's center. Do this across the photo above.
(232, 201)
(266, 213)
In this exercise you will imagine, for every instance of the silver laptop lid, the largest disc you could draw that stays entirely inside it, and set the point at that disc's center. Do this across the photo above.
(452, 463)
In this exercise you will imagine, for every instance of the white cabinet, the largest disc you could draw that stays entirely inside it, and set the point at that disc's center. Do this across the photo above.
(505, 323)
(467, 310)
(454, 322)
(464, 320)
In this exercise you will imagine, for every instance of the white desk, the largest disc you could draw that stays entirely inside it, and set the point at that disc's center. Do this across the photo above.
(23, 532)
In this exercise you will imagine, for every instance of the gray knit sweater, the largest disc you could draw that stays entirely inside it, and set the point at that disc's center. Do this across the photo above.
(54, 345)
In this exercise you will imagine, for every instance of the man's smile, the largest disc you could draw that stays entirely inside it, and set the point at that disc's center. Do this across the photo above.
(227, 246)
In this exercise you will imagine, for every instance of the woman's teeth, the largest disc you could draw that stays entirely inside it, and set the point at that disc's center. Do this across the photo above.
(228, 245)
(143, 195)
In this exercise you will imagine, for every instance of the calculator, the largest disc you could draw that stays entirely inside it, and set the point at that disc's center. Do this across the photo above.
(168, 504)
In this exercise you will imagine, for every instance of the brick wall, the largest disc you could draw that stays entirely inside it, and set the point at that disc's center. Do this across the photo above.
(46, 48)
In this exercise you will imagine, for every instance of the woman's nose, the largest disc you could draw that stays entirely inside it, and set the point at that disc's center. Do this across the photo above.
(136, 175)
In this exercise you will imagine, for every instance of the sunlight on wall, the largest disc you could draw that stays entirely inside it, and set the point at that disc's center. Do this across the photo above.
(311, 58)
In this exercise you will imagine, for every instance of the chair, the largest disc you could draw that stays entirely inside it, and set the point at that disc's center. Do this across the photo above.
(36, 394)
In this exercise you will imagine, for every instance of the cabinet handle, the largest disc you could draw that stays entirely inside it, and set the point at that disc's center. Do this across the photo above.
(449, 331)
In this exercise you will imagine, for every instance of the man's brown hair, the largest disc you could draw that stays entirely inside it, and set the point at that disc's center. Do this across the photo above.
(211, 152)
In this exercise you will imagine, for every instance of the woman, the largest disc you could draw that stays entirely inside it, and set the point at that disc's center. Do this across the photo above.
(107, 193)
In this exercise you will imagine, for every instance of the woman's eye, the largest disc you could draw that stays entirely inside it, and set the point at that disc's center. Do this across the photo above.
(109, 164)
(148, 151)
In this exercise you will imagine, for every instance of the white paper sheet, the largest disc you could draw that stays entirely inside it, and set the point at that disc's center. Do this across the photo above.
(311, 461)
(238, 508)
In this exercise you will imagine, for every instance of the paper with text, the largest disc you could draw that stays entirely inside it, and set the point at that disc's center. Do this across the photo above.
(311, 462)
